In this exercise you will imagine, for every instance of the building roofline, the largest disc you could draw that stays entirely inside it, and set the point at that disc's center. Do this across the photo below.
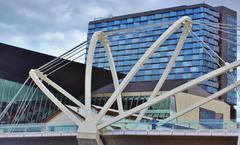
(26, 50)
(226, 10)
(16, 62)
(154, 12)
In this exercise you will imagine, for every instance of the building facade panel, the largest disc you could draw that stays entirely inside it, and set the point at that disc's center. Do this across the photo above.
(193, 61)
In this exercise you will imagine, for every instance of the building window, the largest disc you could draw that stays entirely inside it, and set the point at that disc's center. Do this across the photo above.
(210, 119)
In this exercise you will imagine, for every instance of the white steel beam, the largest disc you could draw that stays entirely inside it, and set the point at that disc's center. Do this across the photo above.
(140, 62)
(105, 43)
(178, 89)
(41, 86)
(88, 74)
(169, 66)
(202, 102)
(61, 90)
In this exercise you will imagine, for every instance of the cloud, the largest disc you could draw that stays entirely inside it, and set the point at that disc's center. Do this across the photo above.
(28, 13)
(57, 42)
(18, 41)
(97, 11)
(53, 27)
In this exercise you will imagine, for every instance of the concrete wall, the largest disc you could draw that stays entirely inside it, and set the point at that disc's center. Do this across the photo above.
(60, 118)
(184, 100)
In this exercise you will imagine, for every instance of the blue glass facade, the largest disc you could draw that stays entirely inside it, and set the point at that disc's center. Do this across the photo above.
(39, 108)
(160, 110)
(127, 47)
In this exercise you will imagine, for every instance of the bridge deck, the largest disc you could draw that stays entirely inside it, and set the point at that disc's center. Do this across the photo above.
(129, 137)
(39, 134)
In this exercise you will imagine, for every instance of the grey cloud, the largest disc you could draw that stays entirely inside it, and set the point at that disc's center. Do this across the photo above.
(52, 26)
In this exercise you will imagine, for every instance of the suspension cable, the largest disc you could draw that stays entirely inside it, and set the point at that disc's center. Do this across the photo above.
(23, 102)
(224, 24)
(23, 111)
(199, 40)
(230, 74)
(61, 56)
(44, 108)
(40, 108)
(63, 60)
(13, 99)
(65, 64)
(208, 47)
(227, 40)
(24, 98)
(218, 26)
(212, 27)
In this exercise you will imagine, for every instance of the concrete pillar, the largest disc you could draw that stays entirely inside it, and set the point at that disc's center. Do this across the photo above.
(89, 139)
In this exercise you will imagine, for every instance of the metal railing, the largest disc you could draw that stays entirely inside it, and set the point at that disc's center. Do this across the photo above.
(124, 125)
(37, 127)
(206, 125)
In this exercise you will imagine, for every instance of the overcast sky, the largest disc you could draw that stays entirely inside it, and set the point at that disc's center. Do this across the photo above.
(54, 26)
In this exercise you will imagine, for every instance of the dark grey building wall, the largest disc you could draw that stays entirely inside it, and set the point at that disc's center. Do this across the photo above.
(15, 63)
(224, 51)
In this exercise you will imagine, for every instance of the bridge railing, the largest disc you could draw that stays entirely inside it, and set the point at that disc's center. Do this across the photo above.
(203, 125)
(37, 127)
(206, 125)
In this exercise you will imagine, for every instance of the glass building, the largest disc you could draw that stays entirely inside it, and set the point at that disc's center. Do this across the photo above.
(193, 61)
(39, 107)
(34, 105)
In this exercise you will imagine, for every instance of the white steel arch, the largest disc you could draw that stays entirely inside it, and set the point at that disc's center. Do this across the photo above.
(172, 92)
(35, 77)
(92, 123)
(88, 74)
(184, 21)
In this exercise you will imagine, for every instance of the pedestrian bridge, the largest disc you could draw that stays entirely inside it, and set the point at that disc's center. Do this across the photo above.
(125, 137)
(179, 134)
(93, 126)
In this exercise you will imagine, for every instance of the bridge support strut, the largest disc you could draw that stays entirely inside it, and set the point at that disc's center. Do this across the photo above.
(89, 139)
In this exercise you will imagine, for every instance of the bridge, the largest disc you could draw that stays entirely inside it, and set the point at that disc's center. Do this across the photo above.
(97, 125)
(67, 134)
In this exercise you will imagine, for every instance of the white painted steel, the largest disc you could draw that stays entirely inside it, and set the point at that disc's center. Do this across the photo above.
(202, 102)
(169, 66)
(140, 62)
(60, 89)
(91, 123)
(88, 74)
(105, 42)
(172, 92)
(41, 86)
